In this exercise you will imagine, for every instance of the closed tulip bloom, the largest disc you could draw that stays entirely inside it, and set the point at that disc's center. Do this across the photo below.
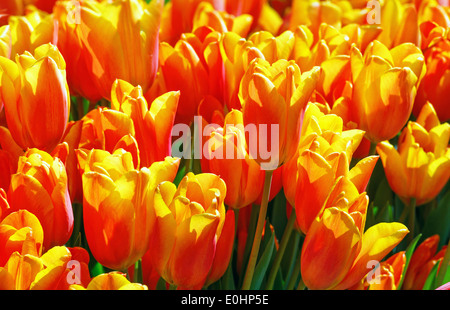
(227, 156)
(419, 167)
(384, 88)
(390, 273)
(17, 230)
(436, 83)
(117, 205)
(40, 186)
(120, 39)
(36, 97)
(337, 248)
(187, 245)
(153, 122)
(425, 256)
(274, 98)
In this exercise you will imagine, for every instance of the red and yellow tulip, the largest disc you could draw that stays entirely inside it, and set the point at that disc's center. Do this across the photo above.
(193, 237)
(35, 92)
(117, 205)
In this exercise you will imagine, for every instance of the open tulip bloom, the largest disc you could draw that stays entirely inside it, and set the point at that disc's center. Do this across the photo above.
(224, 145)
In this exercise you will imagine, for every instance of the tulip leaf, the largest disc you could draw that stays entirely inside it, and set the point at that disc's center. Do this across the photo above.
(430, 283)
(265, 259)
(438, 219)
(409, 252)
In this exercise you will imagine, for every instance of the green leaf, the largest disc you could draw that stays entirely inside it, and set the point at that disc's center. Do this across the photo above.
(430, 283)
(409, 252)
(265, 259)
(438, 219)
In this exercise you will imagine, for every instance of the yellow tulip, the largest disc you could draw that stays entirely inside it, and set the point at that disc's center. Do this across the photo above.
(420, 166)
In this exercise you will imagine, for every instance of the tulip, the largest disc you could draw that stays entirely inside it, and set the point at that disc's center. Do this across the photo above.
(390, 273)
(419, 167)
(384, 87)
(422, 261)
(63, 267)
(117, 204)
(103, 129)
(40, 186)
(328, 130)
(27, 32)
(400, 23)
(110, 281)
(153, 124)
(275, 97)
(337, 251)
(36, 97)
(236, 54)
(183, 68)
(20, 271)
(17, 231)
(193, 239)
(318, 173)
(117, 39)
(436, 83)
(227, 156)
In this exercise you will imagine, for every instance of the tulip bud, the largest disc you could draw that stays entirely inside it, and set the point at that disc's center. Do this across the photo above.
(36, 97)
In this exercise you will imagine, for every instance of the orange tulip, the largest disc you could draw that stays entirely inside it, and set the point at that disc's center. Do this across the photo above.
(36, 97)
(40, 186)
(121, 41)
(184, 68)
(420, 165)
(20, 271)
(319, 128)
(384, 87)
(390, 273)
(17, 230)
(103, 129)
(318, 173)
(274, 98)
(337, 251)
(110, 281)
(227, 156)
(117, 205)
(422, 261)
(153, 124)
(436, 83)
(62, 268)
(27, 32)
(193, 238)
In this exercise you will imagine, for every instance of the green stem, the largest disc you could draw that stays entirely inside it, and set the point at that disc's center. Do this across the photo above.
(301, 285)
(373, 149)
(444, 266)
(412, 217)
(296, 269)
(280, 253)
(138, 272)
(258, 233)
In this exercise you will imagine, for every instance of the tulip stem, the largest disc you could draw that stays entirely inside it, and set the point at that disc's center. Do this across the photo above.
(279, 255)
(258, 233)
(294, 276)
(412, 217)
(373, 149)
(138, 272)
